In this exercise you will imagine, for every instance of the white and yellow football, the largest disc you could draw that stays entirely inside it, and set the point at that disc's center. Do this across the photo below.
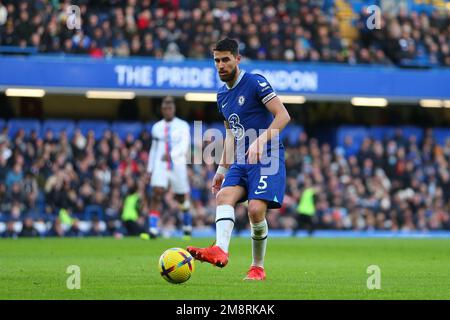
(176, 265)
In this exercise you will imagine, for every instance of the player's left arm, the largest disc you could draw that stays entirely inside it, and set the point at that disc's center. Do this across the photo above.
(282, 118)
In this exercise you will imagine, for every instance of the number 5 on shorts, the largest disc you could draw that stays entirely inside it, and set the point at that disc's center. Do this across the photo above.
(262, 183)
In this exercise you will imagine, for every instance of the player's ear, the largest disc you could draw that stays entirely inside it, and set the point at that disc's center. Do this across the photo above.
(238, 58)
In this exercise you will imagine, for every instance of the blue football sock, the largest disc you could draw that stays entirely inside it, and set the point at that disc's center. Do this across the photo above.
(187, 221)
(153, 220)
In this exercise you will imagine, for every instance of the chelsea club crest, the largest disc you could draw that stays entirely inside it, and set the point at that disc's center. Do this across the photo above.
(241, 100)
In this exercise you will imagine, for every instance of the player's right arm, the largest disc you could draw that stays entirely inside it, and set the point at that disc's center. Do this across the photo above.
(226, 159)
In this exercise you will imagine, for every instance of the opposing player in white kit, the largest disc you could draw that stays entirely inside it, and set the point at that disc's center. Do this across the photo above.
(167, 166)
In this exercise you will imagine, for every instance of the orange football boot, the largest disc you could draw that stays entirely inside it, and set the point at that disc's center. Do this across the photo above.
(213, 254)
(255, 273)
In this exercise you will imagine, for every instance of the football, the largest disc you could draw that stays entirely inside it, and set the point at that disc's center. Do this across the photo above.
(176, 265)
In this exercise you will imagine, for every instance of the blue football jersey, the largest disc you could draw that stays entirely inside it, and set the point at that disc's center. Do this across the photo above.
(243, 106)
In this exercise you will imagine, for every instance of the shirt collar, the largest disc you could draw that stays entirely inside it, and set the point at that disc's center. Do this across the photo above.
(241, 74)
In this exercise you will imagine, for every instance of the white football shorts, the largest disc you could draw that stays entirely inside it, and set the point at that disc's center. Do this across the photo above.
(176, 178)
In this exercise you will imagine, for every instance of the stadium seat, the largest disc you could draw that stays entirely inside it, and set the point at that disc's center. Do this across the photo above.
(386, 132)
(2, 123)
(57, 126)
(381, 133)
(441, 135)
(97, 126)
(357, 134)
(409, 131)
(123, 128)
(40, 202)
(292, 133)
(27, 124)
(149, 125)
(93, 211)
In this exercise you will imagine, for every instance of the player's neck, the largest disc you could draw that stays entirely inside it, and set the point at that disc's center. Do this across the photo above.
(231, 83)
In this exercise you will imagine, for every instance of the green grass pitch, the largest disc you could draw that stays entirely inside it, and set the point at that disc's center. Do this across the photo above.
(296, 269)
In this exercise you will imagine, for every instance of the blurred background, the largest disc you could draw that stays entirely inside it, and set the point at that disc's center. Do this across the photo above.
(368, 90)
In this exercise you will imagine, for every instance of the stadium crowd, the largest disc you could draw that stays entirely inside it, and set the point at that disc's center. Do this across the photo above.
(300, 30)
(397, 184)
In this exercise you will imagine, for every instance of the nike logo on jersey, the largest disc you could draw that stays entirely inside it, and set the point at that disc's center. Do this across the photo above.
(259, 192)
(223, 106)
(262, 84)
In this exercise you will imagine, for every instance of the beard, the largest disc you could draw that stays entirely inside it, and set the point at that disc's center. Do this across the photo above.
(229, 77)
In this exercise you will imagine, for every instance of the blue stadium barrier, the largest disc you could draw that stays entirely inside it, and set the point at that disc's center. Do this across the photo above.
(27, 124)
(18, 50)
(123, 128)
(57, 126)
(98, 126)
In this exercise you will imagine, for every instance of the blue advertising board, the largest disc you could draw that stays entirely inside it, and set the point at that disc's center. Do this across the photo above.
(75, 74)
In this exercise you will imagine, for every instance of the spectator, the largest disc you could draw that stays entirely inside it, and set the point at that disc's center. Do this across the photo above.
(306, 209)
(57, 229)
(96, 229)
(276, 30)
(14, 176)
(74, 230)
(28, 229)
(131, 211)
(10, 231)
(391, 184)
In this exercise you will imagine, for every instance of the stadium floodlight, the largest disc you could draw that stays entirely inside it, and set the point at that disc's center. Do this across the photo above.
(292, 99)
(431, 103)
(24, 92)
(201, 97)
(447, 103)
(93, 94)
(369, 102)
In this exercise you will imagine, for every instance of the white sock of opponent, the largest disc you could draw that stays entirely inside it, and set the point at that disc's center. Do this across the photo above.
(259, 242)
(224, 225)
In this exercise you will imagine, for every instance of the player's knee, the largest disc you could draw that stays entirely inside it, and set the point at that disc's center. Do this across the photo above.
(223, 197)
(257, 211)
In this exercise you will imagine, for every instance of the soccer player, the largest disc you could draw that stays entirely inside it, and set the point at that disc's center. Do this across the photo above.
(167, 166)
(246, 171)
